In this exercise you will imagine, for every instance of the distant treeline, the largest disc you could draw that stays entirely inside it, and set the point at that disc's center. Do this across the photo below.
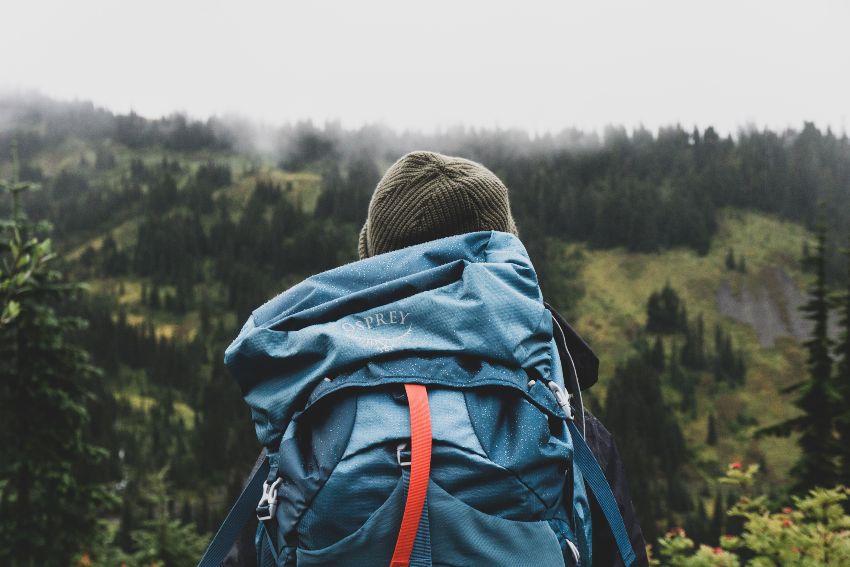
(641, 190)
(38, 124)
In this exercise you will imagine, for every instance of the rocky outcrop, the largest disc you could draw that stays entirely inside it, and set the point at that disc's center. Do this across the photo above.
(769, 301)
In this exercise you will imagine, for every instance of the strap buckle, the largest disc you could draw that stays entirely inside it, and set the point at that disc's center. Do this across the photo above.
(563, 398)
(398, 450)
(267, 506)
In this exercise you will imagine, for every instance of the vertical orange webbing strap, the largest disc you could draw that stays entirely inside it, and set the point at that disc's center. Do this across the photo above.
(420, 468)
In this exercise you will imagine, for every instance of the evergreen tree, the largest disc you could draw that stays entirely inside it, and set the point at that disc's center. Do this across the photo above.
(656, 355)
(223, 428)
(186, 512)
(729, 365)
(693, 351)
(665, 311)
(49, 504)
(711, 436)
(684, 381)
(697, 525)
(806, 261)
(730, 260)
(718, 519)
(842, 378)
(816, 396)
(740, 373)
(644, 425)
(154, 298)
(162, 539)
(203, 524)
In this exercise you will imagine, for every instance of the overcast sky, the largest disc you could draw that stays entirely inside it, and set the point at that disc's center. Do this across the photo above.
(432, 64)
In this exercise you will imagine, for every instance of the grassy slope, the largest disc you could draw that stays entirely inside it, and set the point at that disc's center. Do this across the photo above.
(612, 311)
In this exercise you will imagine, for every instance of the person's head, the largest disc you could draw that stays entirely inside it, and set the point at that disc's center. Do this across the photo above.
(425, 195)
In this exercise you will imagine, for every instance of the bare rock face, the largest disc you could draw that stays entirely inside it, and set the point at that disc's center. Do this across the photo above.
(770, 302)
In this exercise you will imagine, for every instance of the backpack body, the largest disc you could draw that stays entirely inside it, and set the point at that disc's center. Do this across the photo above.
(323, 367)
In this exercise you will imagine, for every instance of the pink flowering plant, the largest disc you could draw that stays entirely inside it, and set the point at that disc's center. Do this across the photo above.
(813, 531)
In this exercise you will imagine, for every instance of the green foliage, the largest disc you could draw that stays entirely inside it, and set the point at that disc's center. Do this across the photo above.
(693, 354)
(665, 312)
(842, 376)
(650, 441)
(711, 436)
(817, 398)
(558, 271)
(729, 366)
(813, 531)
(730, 260)
(163, 540)
(50, 500)
(160, 540)
(346, 199)
(677, 550)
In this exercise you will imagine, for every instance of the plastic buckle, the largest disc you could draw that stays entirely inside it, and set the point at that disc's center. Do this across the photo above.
(401, 447)
(268, 502)
(563, 398)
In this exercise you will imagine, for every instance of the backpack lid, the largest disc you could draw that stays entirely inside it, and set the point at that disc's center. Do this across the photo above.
(424, 312)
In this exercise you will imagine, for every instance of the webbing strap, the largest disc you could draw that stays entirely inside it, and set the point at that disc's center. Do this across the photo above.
(244, 508)
(421, 554)
(420, 469)
(595, 478)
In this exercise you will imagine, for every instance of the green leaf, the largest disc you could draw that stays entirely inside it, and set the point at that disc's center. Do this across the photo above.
(42, 248)
(23, 261)
(10, 312)
(21, 279)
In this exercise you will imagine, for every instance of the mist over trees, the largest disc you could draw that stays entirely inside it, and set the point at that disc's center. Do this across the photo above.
(641, 190)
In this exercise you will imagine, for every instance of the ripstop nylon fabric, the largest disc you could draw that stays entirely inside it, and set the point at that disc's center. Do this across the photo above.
(419, 312)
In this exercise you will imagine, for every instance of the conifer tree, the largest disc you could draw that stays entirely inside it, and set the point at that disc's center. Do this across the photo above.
(711, 436)
(842, 377)
(656, 355)
(816, 396)
(50, 504)
(697, 525)
(644, 425)
(718, 519)
(162, 539)
(730, 260)
(665, 311)
(693, 351)
(740, 367)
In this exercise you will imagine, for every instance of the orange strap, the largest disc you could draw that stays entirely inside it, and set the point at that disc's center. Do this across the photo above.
(420, 468)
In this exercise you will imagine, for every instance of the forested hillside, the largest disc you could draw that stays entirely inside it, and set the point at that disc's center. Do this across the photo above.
(180, 228)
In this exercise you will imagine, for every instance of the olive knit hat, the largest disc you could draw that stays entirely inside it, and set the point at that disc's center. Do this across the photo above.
(424, 196)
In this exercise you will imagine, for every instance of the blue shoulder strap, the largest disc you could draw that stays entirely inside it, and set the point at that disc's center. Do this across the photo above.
(595, 478)
(238, 516)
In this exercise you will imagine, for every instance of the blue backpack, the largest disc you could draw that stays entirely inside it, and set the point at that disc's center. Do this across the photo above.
(413, 411)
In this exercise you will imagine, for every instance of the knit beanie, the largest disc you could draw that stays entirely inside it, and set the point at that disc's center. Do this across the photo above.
(425, 195)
